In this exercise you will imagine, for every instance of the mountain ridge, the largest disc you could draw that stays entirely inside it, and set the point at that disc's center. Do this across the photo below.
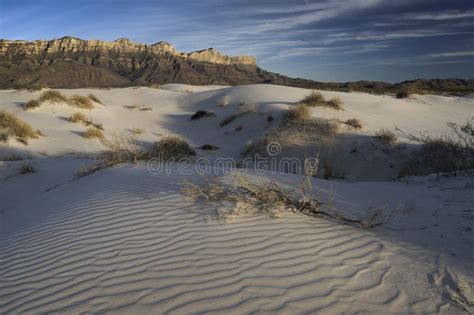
(71, 62)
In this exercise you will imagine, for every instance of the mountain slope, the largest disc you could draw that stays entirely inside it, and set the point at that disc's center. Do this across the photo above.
(73, 63)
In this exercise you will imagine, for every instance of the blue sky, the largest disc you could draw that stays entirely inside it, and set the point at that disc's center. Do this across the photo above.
(339, 40)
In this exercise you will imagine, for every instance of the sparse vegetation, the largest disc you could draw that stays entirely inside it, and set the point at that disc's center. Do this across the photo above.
(38, 87)
(80, 102)
(94, 98)
(354, 123)
(443, 153)
(201, 113)
(172, 147)
(298, 113)
(94, 133)
(77, 117)
(26, 168)
(142, 108)
(52, 96)
(137, 131)
(239, 128)
(31, 104)
(406, 92)
(315, 99)
(386, 136)
(270, 197)
(12, 126)
(14, 157)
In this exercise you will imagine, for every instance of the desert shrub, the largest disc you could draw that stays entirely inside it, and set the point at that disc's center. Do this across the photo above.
(335, 103)
(94, 98)
(142, 108)
(137, 131)
(172, 147)
(269, 118)
(26, 168)
(12, 126)
(442, 153)
(52, 96)
(228, 119)
(239, 128)
(313, 99)
(77, 117)
(38, 87)
(268, 197)
(13, 157)
(354, 123)
(386, 136)
(124, 147)
(406, 92)
(200, 114)
(31, 104)
(224, 101)
(298, 112)
(80, 102)
(94, 133)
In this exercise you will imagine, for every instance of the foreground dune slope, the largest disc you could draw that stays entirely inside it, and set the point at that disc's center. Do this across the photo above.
(125, 241)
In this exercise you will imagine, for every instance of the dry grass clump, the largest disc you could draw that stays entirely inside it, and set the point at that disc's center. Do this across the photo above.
(406, 92)
(94, 133)
(12, 126)
(52, 96)
(354, 123)
(80, 102)
(443, 153)
(26, 168)
(386, 136)
(137, 131)
(297, 113)
(315, 99)
(269, 197)
(172, 147)
(31, 104)
(37, 87)
(77, 117)
(13, 157)
(124, 147)
(335, 103)
(201, 114)
(94, 98)
(244, 109)
(141, 108)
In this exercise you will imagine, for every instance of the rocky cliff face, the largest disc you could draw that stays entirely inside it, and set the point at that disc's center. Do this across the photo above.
(69, 45)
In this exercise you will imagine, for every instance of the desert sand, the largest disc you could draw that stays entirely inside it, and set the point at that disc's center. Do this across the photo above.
(125, 240)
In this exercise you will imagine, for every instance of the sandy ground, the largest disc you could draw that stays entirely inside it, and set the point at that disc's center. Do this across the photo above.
(125, 240)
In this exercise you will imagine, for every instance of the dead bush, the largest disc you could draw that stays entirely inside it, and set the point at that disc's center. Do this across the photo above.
(12, 126)
(137, 131)
(335, 103)
(121, 148)
(38, 87)
(298, 113)
(52, 96)
(80, 102)
(31, 104)
(314, 99)
(94, 98)
(77, 117)
(269, 197)
(172, 147)
(442, 153)
(354, 123)
(244, 109)
(141, 108)
(94, 133)
(26, 168)
(406, 92)
(386, 136)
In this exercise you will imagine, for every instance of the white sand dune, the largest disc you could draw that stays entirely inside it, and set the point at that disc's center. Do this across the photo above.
(124, 240)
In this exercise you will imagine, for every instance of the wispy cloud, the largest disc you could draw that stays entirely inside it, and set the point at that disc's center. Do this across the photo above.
(452, 54)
